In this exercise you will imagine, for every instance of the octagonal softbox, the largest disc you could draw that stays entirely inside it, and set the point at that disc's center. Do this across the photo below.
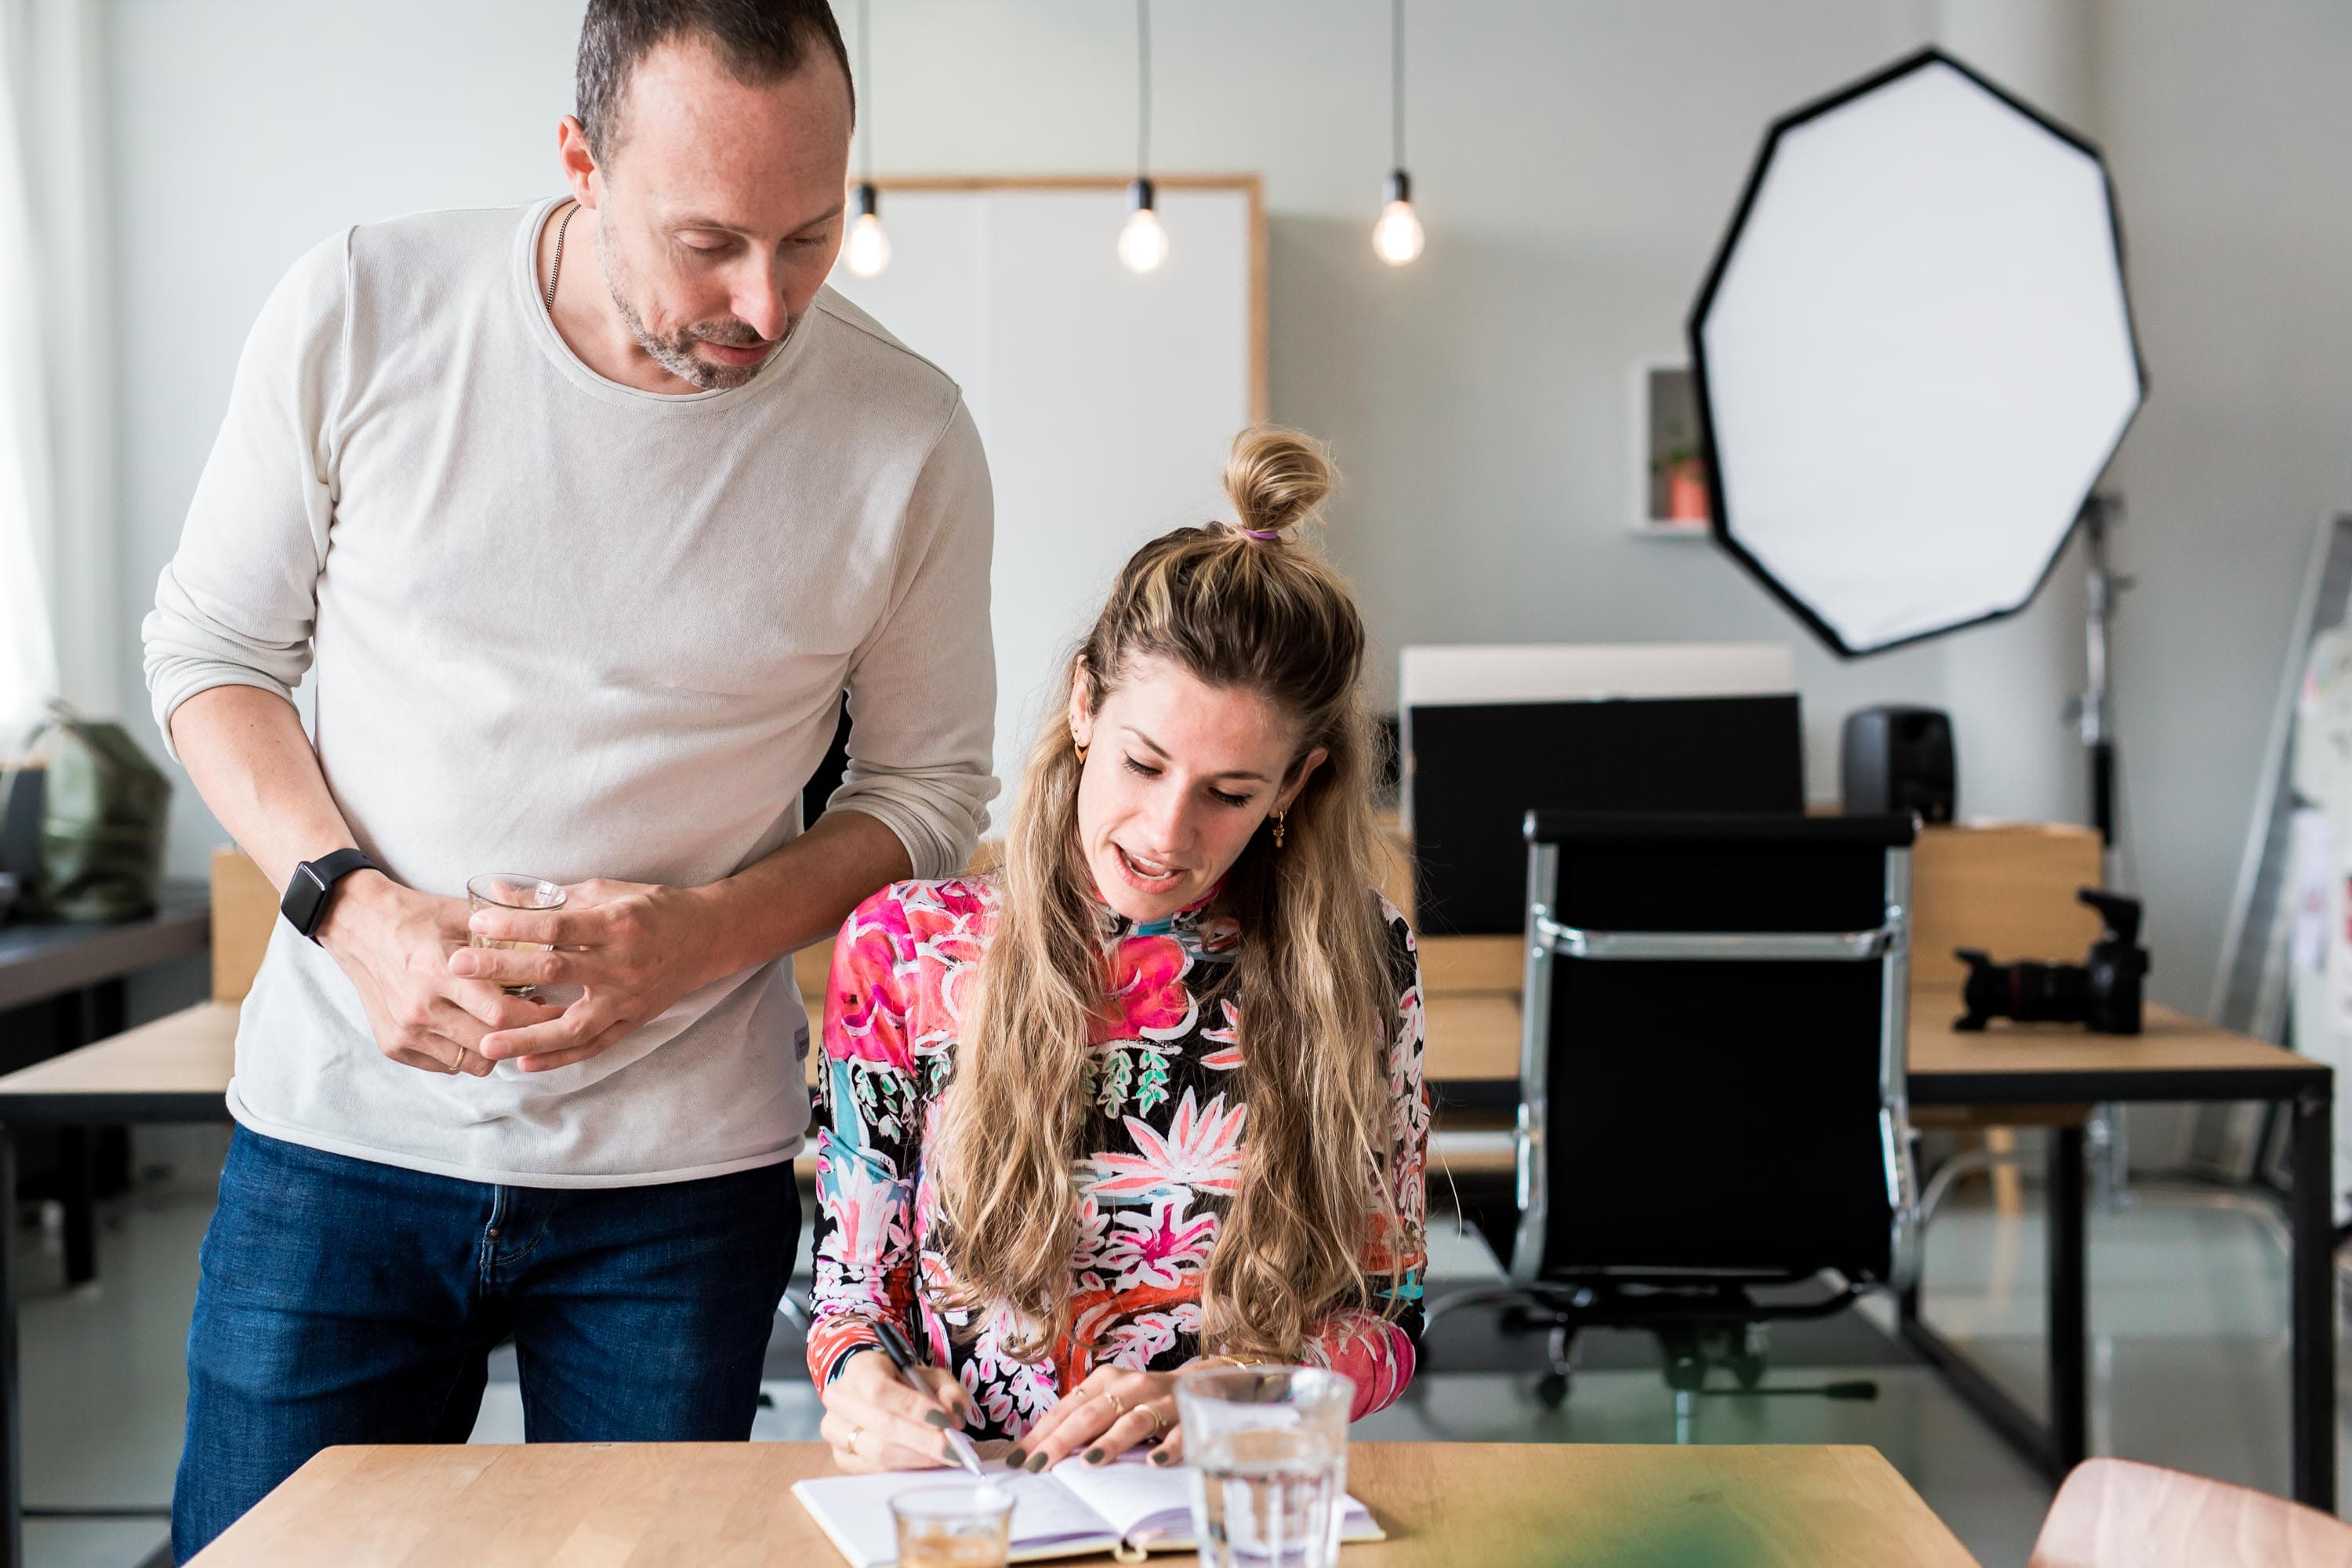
(1913, 354)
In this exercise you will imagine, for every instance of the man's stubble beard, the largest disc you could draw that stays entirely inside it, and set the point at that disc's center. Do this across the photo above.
(676, 354)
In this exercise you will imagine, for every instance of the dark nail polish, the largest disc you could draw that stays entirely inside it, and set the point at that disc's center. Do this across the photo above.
(1162, 1457)
(1095, 1455)
(1012, 1461)
(938, 1418)
(1036, 1463)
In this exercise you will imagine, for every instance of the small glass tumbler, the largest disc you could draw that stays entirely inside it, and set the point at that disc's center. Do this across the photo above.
(508, 890)
(1268, 1448)
(953, 1526)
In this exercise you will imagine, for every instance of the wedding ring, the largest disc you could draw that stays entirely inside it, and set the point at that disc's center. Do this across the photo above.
(850, 1442)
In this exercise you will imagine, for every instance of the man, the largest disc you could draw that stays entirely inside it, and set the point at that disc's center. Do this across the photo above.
(586, 513)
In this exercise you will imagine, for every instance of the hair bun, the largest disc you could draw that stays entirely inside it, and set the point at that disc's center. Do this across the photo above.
(1275, 477)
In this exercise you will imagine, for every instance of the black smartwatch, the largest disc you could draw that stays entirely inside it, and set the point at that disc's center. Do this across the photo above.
(305, 904)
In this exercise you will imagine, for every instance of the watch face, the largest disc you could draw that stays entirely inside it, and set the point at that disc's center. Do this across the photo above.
(303, 897)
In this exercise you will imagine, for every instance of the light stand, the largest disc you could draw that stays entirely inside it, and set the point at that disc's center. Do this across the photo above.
(2106, 1135)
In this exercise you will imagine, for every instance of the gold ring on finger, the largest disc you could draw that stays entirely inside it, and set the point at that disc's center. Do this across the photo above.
(1159, 1426)
(1114, 1405)
(850, 1442)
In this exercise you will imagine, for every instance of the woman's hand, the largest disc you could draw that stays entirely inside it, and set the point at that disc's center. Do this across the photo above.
(1112, 1411)
(874, 1422)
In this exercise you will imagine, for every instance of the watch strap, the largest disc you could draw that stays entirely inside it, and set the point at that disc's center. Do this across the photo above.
(307, 896)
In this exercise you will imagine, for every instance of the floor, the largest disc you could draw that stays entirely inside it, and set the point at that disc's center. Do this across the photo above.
(2189, 1369)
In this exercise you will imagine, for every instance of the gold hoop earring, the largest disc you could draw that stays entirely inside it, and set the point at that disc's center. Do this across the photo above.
(1078, 747)
(1279, 823)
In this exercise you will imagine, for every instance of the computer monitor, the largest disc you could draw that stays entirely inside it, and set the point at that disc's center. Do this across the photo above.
(1493, 732)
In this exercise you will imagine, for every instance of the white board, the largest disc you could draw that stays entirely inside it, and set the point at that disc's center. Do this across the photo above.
(1105, 399)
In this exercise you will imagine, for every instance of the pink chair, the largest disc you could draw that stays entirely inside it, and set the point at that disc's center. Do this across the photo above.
(2114, 1513)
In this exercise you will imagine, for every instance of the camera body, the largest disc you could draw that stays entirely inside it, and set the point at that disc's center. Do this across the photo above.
(2102, 992)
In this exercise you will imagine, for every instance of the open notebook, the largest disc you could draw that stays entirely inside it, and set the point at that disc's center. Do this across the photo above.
(1070, 1510)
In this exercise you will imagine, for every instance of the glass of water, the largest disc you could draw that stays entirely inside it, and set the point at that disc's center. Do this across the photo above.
(1268, 1448)
(953, 1526)
(508, 890)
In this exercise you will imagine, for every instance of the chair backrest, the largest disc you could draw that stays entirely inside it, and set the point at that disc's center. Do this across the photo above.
(2115, 1513)
(1490, 733)
(1711, 1063)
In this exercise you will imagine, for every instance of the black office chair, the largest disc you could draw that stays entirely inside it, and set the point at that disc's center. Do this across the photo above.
(1711, 1083)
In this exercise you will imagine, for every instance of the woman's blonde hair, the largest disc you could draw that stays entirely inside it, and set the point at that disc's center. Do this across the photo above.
(1237, 607)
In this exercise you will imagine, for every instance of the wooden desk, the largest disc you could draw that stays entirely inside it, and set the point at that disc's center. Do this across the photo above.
(694, 1505)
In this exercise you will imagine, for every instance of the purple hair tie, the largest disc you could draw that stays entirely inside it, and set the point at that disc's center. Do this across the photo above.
(1264, 535)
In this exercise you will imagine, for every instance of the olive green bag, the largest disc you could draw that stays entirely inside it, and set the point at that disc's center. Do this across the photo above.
(104, 812)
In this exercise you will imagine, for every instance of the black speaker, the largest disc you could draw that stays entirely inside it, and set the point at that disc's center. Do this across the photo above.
(1896, 760)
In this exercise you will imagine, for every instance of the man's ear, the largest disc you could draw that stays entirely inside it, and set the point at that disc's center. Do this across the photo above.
(1313, 759)
(579, 165)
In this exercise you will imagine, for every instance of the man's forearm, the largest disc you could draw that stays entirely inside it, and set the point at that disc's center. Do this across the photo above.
(252, 763)
(802, 893)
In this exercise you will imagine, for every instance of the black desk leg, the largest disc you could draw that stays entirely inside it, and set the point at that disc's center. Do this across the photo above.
(12, 1452)
(2070, 1322)
(77, 1188)
(2312, 1396)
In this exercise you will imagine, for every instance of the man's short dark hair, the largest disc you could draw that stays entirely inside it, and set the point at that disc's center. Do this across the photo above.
(759, 41)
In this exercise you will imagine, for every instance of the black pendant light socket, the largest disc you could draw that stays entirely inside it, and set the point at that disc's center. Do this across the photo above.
(1140, 195)
(870, 201)
(1397, 187)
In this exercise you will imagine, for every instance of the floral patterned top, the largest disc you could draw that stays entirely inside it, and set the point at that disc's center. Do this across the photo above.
(1166, 1142)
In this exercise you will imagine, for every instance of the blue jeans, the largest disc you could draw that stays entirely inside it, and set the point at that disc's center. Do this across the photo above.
(344, 1301)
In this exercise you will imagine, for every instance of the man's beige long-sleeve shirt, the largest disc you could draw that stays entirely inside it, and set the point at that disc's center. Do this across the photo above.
(563, 627)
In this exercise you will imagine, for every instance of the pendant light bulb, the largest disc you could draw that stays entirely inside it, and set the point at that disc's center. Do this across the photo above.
(867, 251)
(1397, 238)
(1142, 244)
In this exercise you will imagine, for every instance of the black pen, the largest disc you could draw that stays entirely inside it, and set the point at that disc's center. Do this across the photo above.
(902, 1356)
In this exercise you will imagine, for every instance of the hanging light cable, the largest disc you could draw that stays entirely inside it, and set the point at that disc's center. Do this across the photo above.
(1397, 238)
(1142, 244)
(868, 248)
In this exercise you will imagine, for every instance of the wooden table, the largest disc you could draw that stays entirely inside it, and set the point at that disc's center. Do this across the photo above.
(2026, 1073)
(730, 1505)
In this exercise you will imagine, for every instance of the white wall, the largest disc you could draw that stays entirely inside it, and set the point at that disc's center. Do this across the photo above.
(1573, 163)
(2229, 133)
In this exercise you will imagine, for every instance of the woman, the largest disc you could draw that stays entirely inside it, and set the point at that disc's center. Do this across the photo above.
(1152, 1095)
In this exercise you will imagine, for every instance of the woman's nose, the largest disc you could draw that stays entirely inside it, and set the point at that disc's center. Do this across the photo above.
(1172, 823)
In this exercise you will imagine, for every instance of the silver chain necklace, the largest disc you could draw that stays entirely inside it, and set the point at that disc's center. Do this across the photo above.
(555, 268)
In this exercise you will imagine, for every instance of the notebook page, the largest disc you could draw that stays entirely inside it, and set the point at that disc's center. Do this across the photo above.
(854, 1512)
(1151, 1505)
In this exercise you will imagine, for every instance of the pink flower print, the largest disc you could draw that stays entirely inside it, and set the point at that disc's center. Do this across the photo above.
(965, 900)
(866, 1198)
(1087, 1259)
(1147, 998)
(867, 1020)
(1201, 1152)
(1158, 1248)
(1134, 1342)
(1229, 1037)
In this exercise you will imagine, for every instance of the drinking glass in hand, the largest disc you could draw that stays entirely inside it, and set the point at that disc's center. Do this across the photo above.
(506, 891)
(953, 1526)
(1268, 1448)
